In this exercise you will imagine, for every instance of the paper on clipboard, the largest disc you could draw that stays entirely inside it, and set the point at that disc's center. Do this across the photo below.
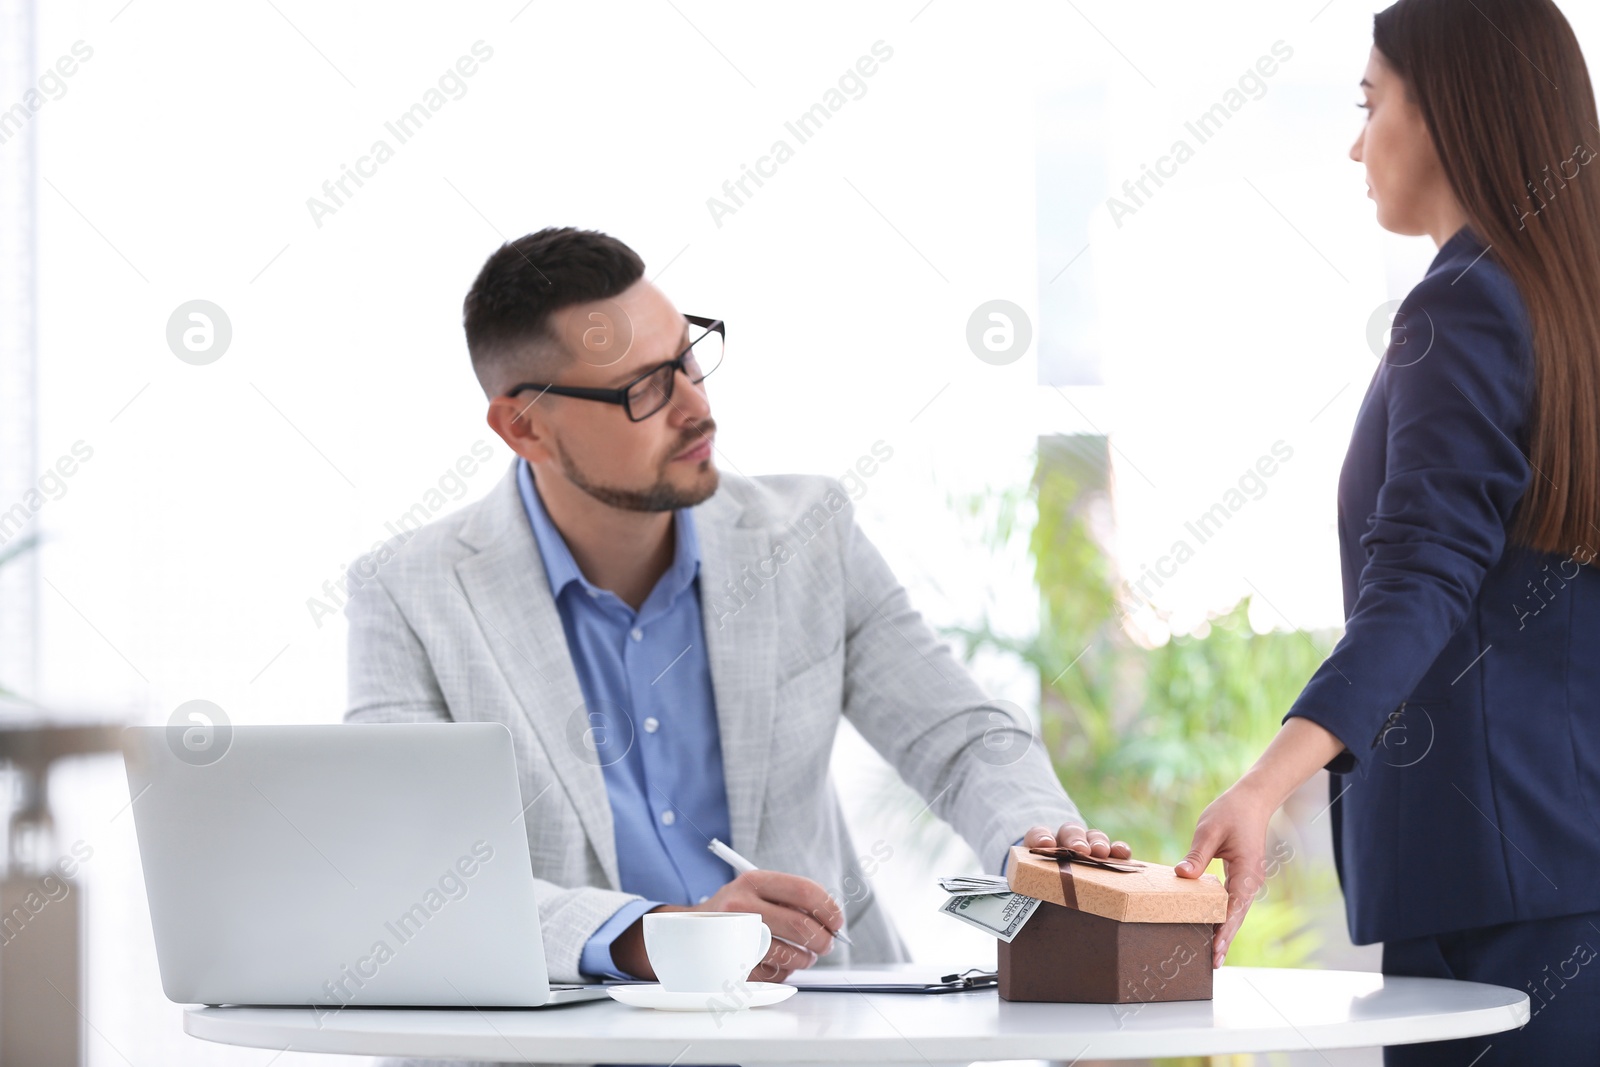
(913, 979)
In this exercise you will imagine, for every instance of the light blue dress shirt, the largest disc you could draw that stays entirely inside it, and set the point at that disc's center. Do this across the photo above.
(646, 684)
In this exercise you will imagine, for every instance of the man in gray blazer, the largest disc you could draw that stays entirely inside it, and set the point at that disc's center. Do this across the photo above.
(673, 647)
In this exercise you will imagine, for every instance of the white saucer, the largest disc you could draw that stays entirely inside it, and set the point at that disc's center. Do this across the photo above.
(749, 995)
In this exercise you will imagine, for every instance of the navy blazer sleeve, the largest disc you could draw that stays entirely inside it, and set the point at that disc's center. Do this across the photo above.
(1453, 473)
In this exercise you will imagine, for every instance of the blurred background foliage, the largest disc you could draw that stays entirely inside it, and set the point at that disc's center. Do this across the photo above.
(1144, 738)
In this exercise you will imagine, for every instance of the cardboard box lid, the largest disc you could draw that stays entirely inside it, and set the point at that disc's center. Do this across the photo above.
(1152, 894)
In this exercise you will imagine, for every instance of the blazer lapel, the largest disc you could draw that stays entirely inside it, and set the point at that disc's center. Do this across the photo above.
(739, 613)
(505, 585)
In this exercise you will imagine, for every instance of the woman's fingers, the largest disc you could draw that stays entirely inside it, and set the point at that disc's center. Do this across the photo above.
(1233, 830)
(1241, 893)
(1202, 849)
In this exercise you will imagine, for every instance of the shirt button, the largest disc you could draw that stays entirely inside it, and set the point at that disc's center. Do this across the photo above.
(637, 634)
(594, 592)
(703, 899)
(651, 724)
(668, 818)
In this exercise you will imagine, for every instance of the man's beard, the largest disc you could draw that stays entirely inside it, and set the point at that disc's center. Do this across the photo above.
(663, 496)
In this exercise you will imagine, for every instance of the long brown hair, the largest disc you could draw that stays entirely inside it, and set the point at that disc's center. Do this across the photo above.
(1505, 93)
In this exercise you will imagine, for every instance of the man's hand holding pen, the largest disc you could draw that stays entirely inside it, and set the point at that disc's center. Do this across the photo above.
(797, 910)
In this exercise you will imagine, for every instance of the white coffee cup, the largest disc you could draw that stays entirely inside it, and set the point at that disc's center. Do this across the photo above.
(701, 951)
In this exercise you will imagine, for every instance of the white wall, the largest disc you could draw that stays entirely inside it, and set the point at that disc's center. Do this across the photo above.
(1230, 313)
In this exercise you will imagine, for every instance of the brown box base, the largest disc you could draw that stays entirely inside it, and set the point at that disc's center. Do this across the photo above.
(1067, 956)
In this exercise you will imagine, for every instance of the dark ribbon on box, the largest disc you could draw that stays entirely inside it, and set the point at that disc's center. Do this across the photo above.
(1066, 857)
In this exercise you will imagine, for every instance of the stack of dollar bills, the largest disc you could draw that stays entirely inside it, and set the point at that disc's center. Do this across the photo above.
(987, 903)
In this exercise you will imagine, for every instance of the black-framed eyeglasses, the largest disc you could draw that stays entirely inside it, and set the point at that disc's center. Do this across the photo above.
(650, 391)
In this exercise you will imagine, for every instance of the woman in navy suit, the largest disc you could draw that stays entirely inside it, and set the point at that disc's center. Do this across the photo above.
(1459, 715)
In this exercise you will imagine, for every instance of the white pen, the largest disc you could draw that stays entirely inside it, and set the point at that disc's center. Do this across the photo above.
(740, 864)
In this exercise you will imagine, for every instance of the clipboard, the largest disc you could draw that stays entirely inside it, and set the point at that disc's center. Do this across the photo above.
(844, 980)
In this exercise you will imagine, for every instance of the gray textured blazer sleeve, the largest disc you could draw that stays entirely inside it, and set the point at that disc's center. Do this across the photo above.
(391, 679)
(977, 762)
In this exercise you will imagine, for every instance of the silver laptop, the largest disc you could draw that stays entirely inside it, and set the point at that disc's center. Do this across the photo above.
(355, 865)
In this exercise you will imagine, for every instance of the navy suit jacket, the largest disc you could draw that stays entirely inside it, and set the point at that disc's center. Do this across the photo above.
(1466, 687)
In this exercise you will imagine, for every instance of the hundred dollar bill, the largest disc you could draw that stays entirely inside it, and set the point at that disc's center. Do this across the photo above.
(973, 885)
(1001, 914)
(993, 884)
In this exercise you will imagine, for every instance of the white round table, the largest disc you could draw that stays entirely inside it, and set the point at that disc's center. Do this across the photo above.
(1254, 1010)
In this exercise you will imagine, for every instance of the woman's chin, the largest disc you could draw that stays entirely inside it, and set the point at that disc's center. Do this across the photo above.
(1401, 225)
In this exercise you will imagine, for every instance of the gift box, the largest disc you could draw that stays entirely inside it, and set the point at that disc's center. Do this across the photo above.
(1109, 931)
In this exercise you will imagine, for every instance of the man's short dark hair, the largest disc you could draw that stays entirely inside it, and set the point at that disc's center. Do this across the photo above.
(507, 311)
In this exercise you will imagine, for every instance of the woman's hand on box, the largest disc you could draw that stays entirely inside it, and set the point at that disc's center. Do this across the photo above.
(1233, 828)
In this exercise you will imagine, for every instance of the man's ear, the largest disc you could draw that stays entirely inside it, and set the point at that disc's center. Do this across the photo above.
(524, 429)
